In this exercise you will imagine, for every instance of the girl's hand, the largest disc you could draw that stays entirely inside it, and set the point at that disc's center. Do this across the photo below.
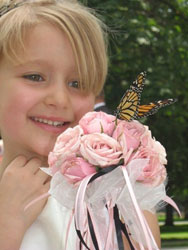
(21, 183)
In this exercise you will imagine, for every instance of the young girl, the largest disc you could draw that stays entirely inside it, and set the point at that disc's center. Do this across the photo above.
(52, 65)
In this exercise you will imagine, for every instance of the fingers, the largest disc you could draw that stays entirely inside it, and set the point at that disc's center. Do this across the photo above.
(21, 168)
(42, 176)
(18, 162)
(47, 185)
(21, 183)
(28, 168)
(33, 165)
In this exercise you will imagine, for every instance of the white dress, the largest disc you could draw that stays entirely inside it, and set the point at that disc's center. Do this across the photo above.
(48, 232)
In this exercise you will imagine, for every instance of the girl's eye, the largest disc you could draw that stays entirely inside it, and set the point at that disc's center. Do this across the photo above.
(34, 77)
(74, 84)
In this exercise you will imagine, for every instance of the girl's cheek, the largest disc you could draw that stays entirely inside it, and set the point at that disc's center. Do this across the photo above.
(83, 106)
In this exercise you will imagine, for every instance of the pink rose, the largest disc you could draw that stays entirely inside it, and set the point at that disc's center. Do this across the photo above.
(157, 147)
(128, 134)
(52, 161)
(148, 142)
(76, 169)
(97, 122)
(146, 139)
(100, 149)
(66, 146)
(155, 172)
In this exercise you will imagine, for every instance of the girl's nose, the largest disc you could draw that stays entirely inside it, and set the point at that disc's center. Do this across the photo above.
(57, 96)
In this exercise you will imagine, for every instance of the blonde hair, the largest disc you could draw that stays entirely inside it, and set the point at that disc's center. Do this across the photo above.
(86, 33)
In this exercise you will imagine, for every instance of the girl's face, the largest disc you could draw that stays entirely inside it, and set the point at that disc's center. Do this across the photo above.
(40, 97)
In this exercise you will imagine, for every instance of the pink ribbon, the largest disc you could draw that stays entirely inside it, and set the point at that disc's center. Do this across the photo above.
(172, 203)
(36, 200)
(68, 229)
(142, 221)
(81, 212)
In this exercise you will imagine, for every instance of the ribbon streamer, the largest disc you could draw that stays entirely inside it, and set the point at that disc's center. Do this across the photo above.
(101, 199)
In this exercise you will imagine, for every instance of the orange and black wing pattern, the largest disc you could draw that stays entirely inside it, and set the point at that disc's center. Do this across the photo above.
(153, 107)
(138, 84)
(128, 107)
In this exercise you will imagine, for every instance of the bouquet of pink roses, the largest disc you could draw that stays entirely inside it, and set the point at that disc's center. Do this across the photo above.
(107, 170)
(98, 142)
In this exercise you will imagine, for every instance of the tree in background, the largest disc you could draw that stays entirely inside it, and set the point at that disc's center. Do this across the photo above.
(152, 36)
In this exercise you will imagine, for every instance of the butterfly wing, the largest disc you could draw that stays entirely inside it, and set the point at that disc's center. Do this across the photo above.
(153, 107)
(128, 107)
(138, 84)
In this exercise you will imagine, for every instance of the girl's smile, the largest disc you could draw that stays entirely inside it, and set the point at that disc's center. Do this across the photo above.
(41, 97)
(55, 125)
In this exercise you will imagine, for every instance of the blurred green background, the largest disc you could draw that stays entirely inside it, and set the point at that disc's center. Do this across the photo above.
(152, 36)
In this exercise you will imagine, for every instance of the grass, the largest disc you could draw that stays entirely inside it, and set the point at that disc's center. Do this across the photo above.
(176, 217)
(174, 236)
(174, 243)
(174, 232)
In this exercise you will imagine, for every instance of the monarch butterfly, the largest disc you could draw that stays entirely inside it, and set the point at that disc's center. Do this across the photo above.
(138, 84)
(130, 108)
(152, 107)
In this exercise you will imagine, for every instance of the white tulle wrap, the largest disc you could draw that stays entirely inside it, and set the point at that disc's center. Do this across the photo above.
(112, 189)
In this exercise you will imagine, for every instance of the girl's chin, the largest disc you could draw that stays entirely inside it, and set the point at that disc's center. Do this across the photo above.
(40, 153)
(45, 146)
(43, 154)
